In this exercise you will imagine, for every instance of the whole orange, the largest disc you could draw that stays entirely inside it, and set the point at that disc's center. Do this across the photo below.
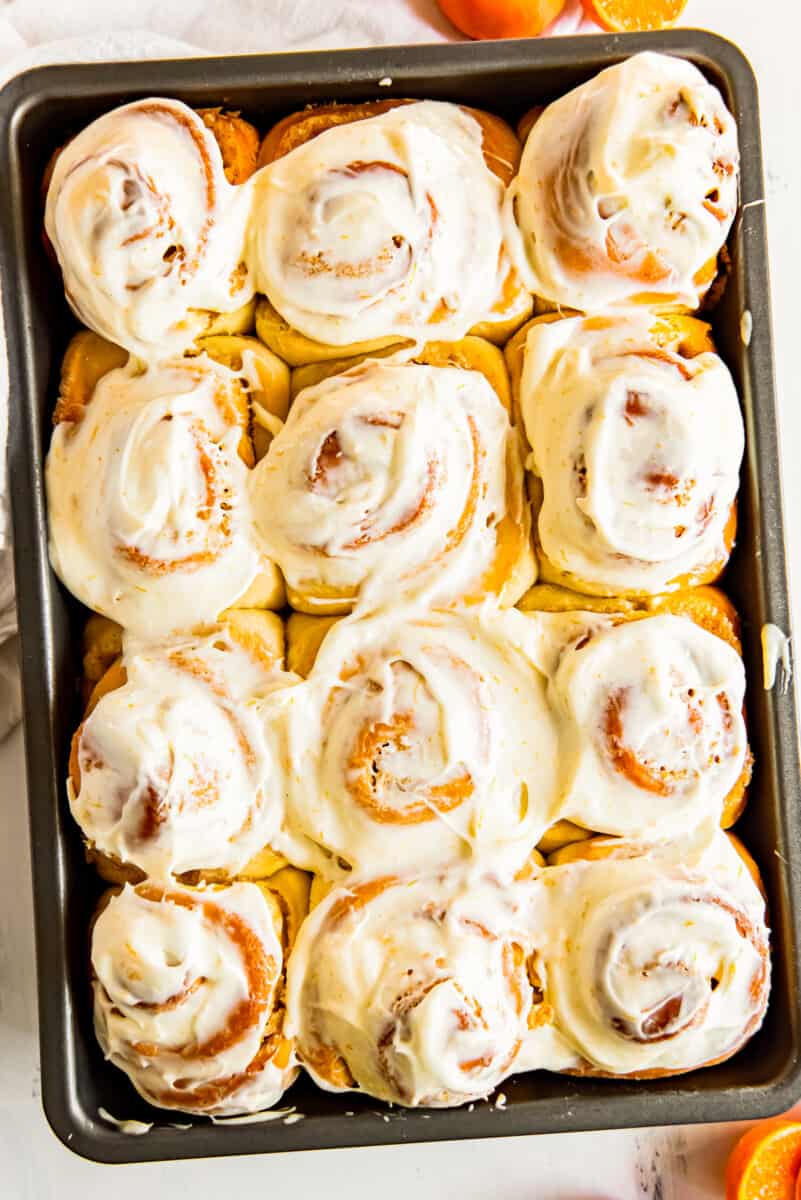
(501, 18)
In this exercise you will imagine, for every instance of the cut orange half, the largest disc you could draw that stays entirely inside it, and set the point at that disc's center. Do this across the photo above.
(633, 16)
(765, 1163)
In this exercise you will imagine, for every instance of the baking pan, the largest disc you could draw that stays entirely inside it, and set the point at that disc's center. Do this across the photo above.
(41, 108)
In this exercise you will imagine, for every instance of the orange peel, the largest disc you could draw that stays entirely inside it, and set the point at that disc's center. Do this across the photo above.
(490, 19)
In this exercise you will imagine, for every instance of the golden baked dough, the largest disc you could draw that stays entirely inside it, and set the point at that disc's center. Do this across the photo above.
(291, 889)
(101, 645)
(297, 349)
(561, 833)
(87, 359)
(500, 145)
(304, 636)
(597, 848)
(300, 127)
(241, 320)
(238, 141)
(266, 385)
(470, 353)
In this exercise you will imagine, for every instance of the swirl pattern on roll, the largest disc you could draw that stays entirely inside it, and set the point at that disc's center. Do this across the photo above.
(652, 732)
(652, 967)
(147, 495)
(638, 449)
(414, 991)
(147, 230)
(176, 769)
(627, 188)
(390, 225)
(422, 740)
(188, 996)
(393, 478)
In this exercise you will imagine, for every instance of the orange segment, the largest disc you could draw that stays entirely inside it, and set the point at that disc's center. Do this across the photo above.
(633, 16)
(501, 18)
(765, 1163)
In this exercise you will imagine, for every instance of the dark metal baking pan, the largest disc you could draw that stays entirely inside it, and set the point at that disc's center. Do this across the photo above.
(38, 110)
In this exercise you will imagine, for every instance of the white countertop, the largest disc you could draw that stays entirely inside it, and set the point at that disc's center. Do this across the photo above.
(678, 1164)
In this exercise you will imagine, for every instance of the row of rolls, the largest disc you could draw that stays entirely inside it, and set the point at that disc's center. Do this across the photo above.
(408, 737)
(600, 454)
(439, 777)
(414, 724)
(194, 466)
(616, 961)
(394, 219)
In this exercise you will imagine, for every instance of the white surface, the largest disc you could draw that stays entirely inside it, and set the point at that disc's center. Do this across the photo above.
(682, 1164)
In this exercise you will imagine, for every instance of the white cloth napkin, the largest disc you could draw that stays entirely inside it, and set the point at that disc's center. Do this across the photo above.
(99, 31)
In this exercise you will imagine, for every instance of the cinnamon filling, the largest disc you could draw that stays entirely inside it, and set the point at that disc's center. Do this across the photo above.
(662, 1022)
(636, 406)
(666, 1020)
(623, 252)
(198, 669)
(368, 780)
(261, 973)
(189, 265)
(214, 509)
(328, 458)
(622, 757)
(660, 781)
(396, 257)
(657, 354)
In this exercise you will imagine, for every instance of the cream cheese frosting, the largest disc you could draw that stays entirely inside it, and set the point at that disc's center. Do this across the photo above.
(627, 188)
(390, 225)
(638, 450)
(149, 234)
(179, 770)
(186, 986)
(651, 964)
(414, 991)
(390, 478)
(429, 990)
(148, 505)
(423, 738)
(422, 759)
(652, 737)
(775, 653)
